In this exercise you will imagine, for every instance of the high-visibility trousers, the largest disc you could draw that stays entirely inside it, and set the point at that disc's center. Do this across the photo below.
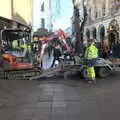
(91, 73)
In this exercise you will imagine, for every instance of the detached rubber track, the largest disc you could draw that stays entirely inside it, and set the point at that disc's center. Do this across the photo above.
(19, 74)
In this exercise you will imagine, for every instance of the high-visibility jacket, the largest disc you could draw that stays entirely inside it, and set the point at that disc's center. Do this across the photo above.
(24, 46)
(15, 44)
(91, 52)
(29, 47)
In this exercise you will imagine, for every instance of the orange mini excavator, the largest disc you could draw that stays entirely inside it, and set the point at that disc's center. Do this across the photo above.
(13, 64)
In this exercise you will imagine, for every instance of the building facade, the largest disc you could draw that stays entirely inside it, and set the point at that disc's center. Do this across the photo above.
(18, 14)
(22, 12)
(103, 20)
(6, 13)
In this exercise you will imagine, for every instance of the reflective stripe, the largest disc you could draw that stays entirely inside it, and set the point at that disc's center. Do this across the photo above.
(24, 46)
(91, 72)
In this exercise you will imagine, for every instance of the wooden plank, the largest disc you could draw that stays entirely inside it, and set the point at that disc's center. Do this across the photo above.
(57, 71)
(46, 73)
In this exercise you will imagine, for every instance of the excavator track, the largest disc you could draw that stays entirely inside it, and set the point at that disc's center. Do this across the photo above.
(19, 74)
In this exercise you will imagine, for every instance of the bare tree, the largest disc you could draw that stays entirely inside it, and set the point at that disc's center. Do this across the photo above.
(79, 23)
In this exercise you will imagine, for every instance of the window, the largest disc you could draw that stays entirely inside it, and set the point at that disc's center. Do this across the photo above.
(117, 5)
(103, 9)
(94, 33)
(113, 3)
(42, 22)
(42, 7)
(89, 13)
(102, 33)
(87, 33)
(99, 13)
(96, 14)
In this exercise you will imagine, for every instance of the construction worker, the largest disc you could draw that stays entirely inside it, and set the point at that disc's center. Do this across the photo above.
(29, 47)
(15, 48)
(91, 53)
(24, 48)
(15, 45)
(29, 52)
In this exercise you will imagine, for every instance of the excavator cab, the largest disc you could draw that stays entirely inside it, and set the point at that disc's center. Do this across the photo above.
(14, 55)
(14, 61)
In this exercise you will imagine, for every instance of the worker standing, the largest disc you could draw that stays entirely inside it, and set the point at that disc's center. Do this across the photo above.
(91, 53)
(57, 53)
(29, 52)
(24, 48)
(15, 45)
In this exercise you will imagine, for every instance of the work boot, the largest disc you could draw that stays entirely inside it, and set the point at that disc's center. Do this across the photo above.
(90, 82)
(94, 82)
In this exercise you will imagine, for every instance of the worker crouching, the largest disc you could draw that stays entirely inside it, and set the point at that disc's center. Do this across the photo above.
(91, 53)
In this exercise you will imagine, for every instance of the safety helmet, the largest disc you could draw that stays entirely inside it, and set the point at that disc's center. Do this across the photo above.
(91, 41)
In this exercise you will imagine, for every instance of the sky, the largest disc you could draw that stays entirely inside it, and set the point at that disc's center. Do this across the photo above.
(63, 19)
(36, 14)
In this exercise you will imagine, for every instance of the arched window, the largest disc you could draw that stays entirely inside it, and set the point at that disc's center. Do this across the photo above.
(96, 14)
(94, 33)
(90, 10)
(102, 32)
(115, 5)
(103, 9)
(87, 33)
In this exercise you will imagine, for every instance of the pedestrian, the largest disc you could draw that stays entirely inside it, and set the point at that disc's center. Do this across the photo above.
(116, 51)
(91, 53)
(105, 50)
(119, 49)
(57, 53)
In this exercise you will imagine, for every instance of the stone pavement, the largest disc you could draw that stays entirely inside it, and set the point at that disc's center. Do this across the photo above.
(61, 100)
